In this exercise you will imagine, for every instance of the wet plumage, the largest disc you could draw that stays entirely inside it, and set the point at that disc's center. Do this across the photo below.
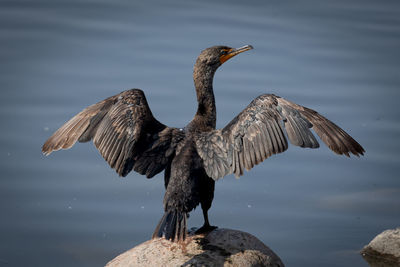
(128, 137)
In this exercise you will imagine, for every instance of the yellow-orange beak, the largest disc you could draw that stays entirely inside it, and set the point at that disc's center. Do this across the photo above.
(233, 52)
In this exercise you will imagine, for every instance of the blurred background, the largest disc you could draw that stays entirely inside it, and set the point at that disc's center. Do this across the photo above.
(312, 207)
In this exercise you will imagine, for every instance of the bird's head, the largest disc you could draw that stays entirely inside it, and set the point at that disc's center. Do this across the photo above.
(215, 56)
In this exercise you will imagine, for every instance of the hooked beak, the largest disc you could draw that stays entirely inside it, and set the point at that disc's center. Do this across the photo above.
(233, 52)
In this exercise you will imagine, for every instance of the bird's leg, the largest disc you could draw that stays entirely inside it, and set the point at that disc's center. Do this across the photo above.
(206, 226)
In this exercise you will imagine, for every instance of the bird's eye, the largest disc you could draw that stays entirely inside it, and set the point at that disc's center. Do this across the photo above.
(224, 51)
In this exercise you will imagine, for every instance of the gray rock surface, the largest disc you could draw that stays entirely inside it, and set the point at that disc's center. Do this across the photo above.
(221, 247)
(384, 249)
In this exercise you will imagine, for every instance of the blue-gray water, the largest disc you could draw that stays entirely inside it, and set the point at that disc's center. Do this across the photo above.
(312, 207)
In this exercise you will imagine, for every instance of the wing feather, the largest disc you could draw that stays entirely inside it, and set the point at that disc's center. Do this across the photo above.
(124, 131)
(259, 132)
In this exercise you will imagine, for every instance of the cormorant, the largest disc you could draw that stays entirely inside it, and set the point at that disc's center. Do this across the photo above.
(127, 135)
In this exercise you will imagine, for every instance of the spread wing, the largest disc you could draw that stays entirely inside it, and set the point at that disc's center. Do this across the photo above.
(259, 132)
(124, 131)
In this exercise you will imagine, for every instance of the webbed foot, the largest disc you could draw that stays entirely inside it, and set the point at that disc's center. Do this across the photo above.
(205, 229)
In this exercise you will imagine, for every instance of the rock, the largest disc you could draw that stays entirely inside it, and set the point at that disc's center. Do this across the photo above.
(220, 247)
(384, 249)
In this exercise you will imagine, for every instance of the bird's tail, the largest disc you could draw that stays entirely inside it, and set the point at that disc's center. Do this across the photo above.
(172, 226)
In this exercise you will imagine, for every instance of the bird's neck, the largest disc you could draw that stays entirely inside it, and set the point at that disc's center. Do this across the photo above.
(206, 115)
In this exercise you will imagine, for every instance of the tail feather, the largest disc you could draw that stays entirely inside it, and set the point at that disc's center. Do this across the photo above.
(172, 226)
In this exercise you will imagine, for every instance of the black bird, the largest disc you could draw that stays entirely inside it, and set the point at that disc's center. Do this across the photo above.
(127, 135)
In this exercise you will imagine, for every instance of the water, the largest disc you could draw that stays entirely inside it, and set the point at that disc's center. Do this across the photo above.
(311, 207)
